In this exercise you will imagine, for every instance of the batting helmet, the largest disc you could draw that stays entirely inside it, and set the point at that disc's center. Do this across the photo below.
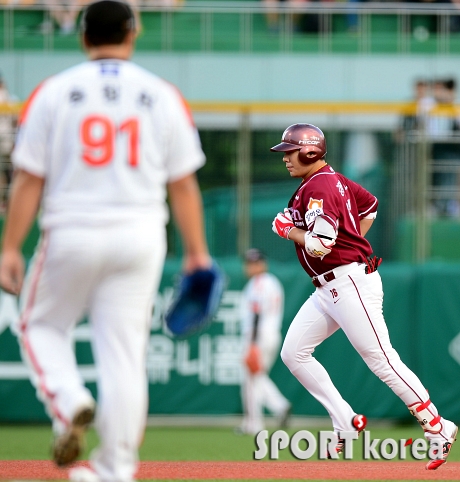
(306, 138)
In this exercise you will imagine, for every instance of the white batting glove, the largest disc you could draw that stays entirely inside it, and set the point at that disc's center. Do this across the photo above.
(283, 224)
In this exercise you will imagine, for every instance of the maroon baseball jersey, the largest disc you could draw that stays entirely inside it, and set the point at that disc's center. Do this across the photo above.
(342, 203)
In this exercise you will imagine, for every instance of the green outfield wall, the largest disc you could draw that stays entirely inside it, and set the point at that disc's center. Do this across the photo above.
(202, 375)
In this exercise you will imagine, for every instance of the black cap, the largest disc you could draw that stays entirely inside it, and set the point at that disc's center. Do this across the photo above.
(252, 255)
(107, 17)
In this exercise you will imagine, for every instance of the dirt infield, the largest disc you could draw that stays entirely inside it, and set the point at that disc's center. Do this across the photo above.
(329, 470)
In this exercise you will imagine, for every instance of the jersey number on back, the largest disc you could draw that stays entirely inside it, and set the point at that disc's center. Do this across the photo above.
(98, 135)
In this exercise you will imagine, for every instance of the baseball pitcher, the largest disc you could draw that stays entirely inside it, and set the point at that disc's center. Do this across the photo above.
(99, 146)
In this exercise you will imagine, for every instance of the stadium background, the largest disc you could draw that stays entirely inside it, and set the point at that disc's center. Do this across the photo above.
(348, 68)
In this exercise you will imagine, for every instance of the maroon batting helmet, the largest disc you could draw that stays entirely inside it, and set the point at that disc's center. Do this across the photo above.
(306, 138)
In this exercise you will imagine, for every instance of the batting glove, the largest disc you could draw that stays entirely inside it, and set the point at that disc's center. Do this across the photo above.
(283, 224)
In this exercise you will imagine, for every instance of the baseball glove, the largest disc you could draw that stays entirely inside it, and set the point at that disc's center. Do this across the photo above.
(195, 301)
(253, 359)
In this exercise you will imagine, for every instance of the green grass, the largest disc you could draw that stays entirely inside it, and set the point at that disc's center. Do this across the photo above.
(179, 443)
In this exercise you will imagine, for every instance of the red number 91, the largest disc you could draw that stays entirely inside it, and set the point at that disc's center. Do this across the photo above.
(98, 135)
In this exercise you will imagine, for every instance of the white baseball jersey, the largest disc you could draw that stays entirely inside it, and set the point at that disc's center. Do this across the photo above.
(107, 135)
(263, 294)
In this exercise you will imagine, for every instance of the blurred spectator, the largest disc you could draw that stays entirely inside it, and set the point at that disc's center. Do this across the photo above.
(6, 143)
(273, 18)
(445, 153)
(352, 17)
(455, 19)
(65, 14)
(424, 102)
(437, 117)
(423, 25)
(424, 99)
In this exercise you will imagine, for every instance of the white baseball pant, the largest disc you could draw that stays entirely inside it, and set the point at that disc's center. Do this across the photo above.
(259, 391)
(111, 273)
(352, 302)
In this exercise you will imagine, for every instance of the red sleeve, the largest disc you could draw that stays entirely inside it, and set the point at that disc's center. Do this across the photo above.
(185, 105)
(28, 103)
(366, 202)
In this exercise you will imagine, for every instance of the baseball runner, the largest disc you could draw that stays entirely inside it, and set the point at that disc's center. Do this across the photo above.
(98, 147)
(262, 307)
(327, 218)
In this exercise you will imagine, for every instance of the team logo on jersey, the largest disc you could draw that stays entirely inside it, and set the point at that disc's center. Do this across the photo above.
(296, 217)
(315, 204)
(315, 208)
(339, 186)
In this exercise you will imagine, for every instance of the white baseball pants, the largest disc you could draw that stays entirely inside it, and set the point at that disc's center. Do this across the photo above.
(352, 302)
(259, 391)
(111, 273)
